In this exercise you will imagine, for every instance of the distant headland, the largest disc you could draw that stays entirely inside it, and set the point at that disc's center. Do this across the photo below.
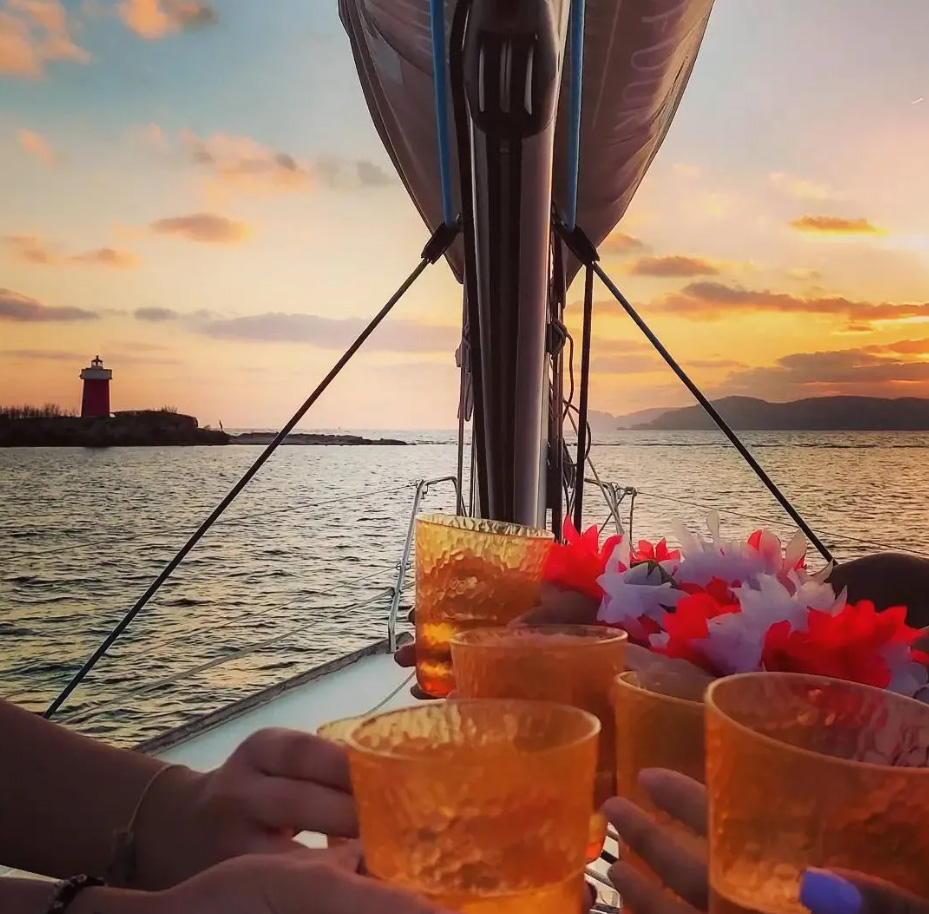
(97, 426)
(52, 427)
(860, 414)
(24, 427)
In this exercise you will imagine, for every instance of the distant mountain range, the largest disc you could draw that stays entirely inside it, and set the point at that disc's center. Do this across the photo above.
(812, 414)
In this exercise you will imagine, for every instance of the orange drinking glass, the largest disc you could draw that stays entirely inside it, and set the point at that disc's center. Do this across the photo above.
(804, 771)
(337, 731)
(470, 572)
(482, 806)
(659, 724)
(569, 664)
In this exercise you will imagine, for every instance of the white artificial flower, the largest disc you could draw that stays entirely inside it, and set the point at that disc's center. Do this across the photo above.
(630, 593)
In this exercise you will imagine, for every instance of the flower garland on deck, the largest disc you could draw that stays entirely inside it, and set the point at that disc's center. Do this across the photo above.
(736, 606)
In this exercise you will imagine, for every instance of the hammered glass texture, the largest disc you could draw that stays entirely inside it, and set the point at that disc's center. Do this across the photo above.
(806, 771)
(483, 806)
(470, 573)
(337, 731)
(659, 724)
(656, 727)
(568, 664)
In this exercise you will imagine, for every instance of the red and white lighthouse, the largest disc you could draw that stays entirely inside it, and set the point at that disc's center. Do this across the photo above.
(96, 398)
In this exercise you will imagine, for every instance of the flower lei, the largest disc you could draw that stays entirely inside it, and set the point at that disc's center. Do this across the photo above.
(736, 606)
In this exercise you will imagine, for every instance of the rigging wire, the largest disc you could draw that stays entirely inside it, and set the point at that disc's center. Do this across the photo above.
(437, 245)
(582, 247)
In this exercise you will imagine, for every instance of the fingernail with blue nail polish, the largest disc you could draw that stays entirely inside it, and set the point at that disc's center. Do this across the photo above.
(823, 892)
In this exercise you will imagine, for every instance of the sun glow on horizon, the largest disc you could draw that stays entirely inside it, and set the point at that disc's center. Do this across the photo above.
(219, 233)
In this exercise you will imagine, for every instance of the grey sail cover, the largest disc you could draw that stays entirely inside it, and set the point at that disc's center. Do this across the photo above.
(638, 56)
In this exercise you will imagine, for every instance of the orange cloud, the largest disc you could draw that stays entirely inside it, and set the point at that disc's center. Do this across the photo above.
(805, 274)
(843, 371)
(672, 265)
(241, 163)
(36, 250)
(836, 225)
(621, 243)
(208, 228)
(710, 301)
(686, 170)
(107, 257)
(155, 19)
(33, 33)
(36, 145)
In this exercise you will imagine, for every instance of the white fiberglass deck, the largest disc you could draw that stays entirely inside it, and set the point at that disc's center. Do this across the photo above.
(355, 689)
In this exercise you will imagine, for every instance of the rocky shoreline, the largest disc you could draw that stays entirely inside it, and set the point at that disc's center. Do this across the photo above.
(148, 428)
(312, 438)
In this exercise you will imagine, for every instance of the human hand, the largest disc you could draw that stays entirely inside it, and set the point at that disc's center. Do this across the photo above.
(679, 865)
(313, 882)
(275, 785)
(845, 892)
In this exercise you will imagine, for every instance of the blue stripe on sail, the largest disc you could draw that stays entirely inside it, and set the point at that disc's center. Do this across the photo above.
(440, 78)
(576, 51)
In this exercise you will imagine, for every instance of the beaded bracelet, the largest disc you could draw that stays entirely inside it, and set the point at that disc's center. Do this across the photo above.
(67, 891)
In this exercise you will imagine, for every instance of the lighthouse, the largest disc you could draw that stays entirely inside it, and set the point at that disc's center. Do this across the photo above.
(96, 397)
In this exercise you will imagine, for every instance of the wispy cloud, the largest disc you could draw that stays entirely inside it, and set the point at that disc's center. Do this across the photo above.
(686, 170)
(672, 265)
(331, 333)
(36, 145)
(711, 301)
(19, 308)
(34, 33)
(156, 19)
(37, 250)
(206, 228)
(156, 315)
(862, 370)
(619, 243)
(803, 188)
(240, 164)
(836, 225)
(805, 274)
(42, 355)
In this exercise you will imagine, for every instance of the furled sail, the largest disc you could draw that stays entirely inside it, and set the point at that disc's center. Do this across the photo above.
(638, 56)
(518, 147)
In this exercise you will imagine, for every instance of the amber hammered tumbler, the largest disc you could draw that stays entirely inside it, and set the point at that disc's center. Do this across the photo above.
(804, 771)
(482, 806)
(470, 573)
(337, 731)
(659, 724)
(569, 664)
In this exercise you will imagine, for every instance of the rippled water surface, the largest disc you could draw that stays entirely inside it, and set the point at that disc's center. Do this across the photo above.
(298, 570)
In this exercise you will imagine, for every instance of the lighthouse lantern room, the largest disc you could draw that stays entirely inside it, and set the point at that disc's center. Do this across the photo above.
(96, 397)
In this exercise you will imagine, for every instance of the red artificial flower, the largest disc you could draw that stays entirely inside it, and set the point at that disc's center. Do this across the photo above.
(653, 552)
(579, 561)
(847, 645)
(718, 589)
(687, 625)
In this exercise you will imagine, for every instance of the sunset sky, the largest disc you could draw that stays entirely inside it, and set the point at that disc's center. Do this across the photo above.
(195, 191)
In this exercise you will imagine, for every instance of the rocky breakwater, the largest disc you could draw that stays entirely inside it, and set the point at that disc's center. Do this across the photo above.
(144, 428)
(311, 438)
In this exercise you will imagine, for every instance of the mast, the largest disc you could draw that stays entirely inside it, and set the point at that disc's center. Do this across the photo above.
(512, 71)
